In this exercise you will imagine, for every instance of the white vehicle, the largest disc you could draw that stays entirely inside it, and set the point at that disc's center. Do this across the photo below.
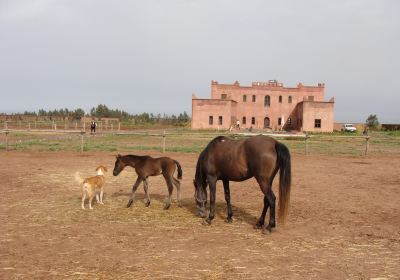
(348, 127)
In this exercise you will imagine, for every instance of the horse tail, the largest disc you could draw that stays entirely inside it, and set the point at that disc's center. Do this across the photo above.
(285, 178)
(78, 178)
(179, 169)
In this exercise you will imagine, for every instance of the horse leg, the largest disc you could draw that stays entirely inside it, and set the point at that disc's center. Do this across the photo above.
(228, 200)
(178, 191)
(146, 191)
(170, 186)
(212, 182)
(261, 221)
(271, 201)
(134, 188)
(83, 200)
(264, 188)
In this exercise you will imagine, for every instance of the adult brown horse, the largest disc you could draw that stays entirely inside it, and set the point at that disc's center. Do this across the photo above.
(146, 166)
(237, 160)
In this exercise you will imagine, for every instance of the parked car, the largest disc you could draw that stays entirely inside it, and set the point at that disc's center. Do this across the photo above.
(348, 127)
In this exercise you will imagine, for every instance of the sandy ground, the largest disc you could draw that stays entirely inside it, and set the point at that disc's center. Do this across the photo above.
(344, 223)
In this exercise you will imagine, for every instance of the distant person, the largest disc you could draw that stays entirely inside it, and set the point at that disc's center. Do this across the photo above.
(93, 127)
(238, 124)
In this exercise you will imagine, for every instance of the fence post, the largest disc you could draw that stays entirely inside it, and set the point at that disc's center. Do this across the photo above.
(35, 124)
(119, 126)
(306, 144)
(163, 147)
(7, 140)
(112, 127)
(366, 145)
(5, 124)
(29, 126)
(55, 126)
(82, 132)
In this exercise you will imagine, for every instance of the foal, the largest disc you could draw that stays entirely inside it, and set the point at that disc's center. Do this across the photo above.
(146, 166)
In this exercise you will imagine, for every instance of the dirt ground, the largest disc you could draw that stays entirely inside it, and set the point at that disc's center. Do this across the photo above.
(344, 223)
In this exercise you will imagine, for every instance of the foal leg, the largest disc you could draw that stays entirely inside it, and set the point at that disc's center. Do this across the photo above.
(170, 186)
(178, 191)
(228, 200)
(134, 188)
(146, 191)
(212, 182)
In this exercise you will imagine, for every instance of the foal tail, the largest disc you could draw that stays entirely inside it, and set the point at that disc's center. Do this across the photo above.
(285, 178)
(179, 169)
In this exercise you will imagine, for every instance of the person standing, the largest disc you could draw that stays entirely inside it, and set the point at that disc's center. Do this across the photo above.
(93, 127)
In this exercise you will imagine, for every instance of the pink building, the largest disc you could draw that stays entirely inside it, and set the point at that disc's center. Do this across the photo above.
(264, 105)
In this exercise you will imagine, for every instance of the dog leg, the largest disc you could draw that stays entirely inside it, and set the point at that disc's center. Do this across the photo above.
(101, 196)
(90, 203)
(83, 200)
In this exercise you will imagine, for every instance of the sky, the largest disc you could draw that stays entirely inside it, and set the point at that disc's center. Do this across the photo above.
(150, 56)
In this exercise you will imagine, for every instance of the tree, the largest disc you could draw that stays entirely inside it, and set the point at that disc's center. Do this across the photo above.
(372, 121)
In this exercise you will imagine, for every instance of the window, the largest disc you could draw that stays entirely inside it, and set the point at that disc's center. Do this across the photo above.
(310, 98)
(290, 99)
(211, 120)
(223, 96)
(267, 100)
(280, 98)
(254, 98)
(253, 120)
(289, 121)
(244, 120)
(220, 120)
(279, 121)
(245, 98)
(317, 123)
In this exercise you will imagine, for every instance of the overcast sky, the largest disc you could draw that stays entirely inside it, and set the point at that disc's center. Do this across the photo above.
(150, 56)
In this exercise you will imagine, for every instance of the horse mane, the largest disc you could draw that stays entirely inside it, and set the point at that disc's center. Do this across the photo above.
(199, 176)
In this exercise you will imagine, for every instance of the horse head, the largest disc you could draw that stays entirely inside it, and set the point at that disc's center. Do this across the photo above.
(119, 165)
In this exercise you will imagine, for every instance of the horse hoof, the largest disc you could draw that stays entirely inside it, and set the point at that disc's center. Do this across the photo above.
(147, 204)
(206, 222)
(258, 226)
(229, 220)
(267, 230)
(166, 207)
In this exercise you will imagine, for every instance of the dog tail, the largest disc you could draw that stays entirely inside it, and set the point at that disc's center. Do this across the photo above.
(78, 178)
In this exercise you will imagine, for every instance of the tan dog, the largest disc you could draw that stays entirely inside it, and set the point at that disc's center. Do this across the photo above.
(92, 186)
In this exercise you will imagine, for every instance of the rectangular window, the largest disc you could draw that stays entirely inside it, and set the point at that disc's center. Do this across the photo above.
(220, 120)
(211, 120)
(253, 120)
(245, 98)
(223, 96)
(244, 120)
(317, 123)
(290, 99)
(279, 121)
(254, 98)
(280, 98)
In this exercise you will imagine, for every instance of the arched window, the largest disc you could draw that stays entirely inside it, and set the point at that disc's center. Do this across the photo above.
(253, 120)
(290, 99)
(289, 121)
(244, 98)
(244, 120)
(211, 120)
(267, 100)
(280, 98)
(254, 98)
(279, 121)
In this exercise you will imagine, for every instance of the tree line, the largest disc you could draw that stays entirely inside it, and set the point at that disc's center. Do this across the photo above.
(103, 111)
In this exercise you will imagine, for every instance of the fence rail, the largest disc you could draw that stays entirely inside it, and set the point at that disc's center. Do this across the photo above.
(309, 142)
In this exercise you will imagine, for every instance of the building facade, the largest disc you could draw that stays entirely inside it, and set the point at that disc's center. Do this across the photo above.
(264, 105)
